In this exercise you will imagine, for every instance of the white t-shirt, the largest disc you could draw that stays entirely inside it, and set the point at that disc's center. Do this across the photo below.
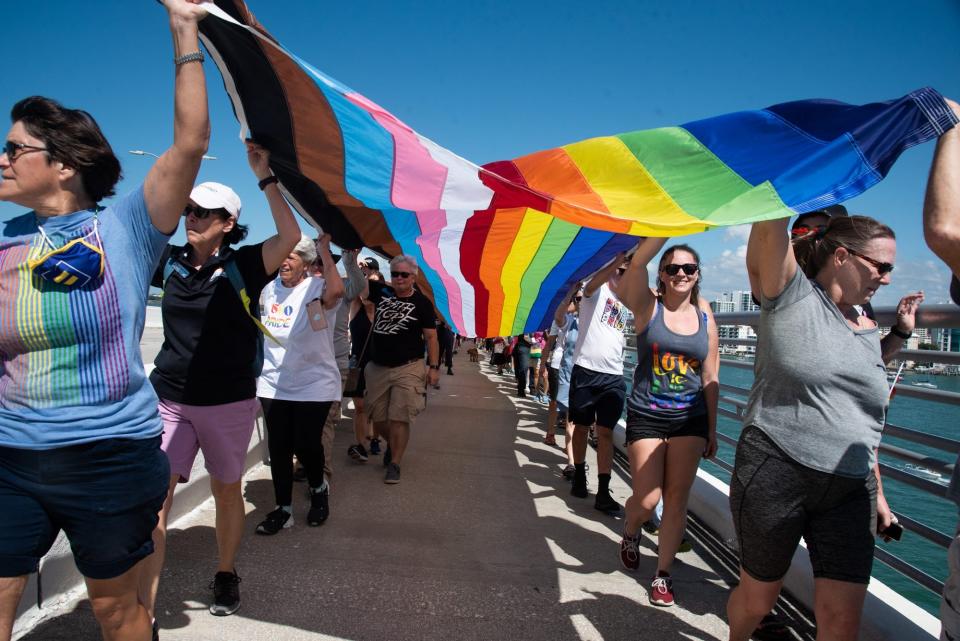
(600, 341)
(557, 354)
(308, 370)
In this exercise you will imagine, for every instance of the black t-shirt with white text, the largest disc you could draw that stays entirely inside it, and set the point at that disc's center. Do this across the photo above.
(398, 325)
(209, 342)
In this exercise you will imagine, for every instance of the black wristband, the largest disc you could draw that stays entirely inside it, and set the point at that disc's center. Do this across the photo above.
(896, 331)
(436, 367)
(269, 180)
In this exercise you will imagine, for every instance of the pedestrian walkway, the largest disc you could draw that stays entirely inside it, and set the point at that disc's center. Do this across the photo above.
(481, 540)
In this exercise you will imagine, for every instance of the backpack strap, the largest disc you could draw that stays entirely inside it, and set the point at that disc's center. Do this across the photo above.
(233, 275)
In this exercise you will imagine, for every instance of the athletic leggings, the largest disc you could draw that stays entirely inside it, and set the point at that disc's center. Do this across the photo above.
(294, 427)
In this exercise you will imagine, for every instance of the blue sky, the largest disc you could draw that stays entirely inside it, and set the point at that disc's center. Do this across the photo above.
(494, 80)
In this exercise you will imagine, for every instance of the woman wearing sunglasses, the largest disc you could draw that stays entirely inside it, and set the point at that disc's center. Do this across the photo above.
(300, 381)
(206, 371)
(672, 407)
(79, 429)
(805, 463)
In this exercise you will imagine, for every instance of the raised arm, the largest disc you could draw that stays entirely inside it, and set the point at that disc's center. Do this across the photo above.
(770, 251)
(356, 281)
(941, 208)
(634, 288)
(603, 275)
(560, 315)
(891, 344)
(333, 291)
(278, 246)
(168, 183)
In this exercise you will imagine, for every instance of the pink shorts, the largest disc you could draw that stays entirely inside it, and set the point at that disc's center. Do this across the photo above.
(222, 432)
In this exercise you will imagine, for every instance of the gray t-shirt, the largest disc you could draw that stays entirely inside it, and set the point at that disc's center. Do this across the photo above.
(820, 388)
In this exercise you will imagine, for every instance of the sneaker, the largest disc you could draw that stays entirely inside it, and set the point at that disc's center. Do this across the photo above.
(661, 590)
(319, 506)
(608, 505)
(393, 474)
(357, 452)
(226, 594)
(630, 551)
(156, 630)
(300, 474)
(568, 472)
(651, 528)
(449, 371)
(277, 520)
(579, 488)
(387, 457)
(374, 447)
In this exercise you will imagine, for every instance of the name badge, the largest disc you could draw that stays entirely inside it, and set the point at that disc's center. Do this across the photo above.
(316, 314)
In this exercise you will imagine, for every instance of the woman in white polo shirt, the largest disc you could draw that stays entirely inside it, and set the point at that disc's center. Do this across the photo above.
(300, 379)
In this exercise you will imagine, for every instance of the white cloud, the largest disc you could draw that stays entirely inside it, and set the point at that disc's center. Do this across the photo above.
(727, 272)
(737, 232)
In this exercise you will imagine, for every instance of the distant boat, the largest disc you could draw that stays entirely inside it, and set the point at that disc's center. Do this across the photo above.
(925, 472)
(926, 384)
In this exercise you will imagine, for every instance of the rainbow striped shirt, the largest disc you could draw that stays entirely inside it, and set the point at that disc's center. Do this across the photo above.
(70, 364)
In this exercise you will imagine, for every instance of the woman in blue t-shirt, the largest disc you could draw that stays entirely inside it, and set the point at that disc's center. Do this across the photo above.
(79, 428)
(672, 407)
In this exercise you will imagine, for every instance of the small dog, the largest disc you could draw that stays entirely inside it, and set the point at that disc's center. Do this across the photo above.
(474, 355)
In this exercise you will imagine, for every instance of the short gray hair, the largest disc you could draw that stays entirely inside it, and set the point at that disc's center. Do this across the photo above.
(405, 258)
(306, 249)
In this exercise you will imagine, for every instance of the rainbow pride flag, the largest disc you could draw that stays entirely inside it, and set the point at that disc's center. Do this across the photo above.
(500, 245)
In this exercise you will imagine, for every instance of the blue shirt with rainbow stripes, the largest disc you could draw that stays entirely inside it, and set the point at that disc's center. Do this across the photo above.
(70, 364)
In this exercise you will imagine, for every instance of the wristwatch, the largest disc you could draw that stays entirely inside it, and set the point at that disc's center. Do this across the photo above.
(896, 331)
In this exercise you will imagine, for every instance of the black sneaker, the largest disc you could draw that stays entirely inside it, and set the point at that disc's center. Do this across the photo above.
(226, 594)
(374, 447)
(393, 474)
(357, 452)
(608, 506)
(319, 506)
(579, 488)
(277, 520)
(568, 472)
(449, 371)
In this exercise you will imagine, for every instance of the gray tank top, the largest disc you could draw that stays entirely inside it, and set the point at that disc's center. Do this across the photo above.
(667, 383)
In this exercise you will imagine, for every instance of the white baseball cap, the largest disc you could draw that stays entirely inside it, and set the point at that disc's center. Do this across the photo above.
(211, 195)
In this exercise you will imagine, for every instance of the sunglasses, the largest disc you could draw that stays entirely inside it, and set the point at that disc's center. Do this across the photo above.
(688, 268)
(400, 274)
(16, 149)
(882, 268)
(199, 212)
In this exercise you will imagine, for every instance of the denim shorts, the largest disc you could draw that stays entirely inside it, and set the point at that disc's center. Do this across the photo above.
(104, 495)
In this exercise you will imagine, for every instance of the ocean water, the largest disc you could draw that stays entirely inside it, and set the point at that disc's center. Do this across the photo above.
(935, 511)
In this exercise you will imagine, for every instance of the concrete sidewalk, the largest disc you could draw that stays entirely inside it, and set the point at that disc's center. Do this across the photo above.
(480, 540)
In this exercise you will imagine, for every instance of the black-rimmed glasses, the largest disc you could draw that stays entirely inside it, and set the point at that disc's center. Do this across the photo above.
(400, 274)
(199, 212)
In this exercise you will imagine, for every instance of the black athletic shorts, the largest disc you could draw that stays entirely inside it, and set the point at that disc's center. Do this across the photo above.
(596, 397)
(639, 426)
(553, 382)
(776, 500)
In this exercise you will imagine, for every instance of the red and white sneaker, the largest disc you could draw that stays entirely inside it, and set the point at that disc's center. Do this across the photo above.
(661, 590)
(630, 551)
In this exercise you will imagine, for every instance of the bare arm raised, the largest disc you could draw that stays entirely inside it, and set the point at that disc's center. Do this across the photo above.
(770, 252)
(168, 184)
(634, 290)
(941, 207)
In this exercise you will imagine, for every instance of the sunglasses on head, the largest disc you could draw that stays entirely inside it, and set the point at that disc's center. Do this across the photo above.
(688, 268)
(400, 274)
(881, 267)
(198, 212)
(803, 230)
(16, 149)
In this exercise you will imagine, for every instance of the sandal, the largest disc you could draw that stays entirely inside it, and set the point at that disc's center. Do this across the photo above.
(550, 440)
(772, 628)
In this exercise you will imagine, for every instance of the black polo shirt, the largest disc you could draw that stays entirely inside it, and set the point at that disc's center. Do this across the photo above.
(398, 325)
(209, 342)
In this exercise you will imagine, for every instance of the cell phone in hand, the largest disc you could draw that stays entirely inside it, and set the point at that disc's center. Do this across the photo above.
(893, 531)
